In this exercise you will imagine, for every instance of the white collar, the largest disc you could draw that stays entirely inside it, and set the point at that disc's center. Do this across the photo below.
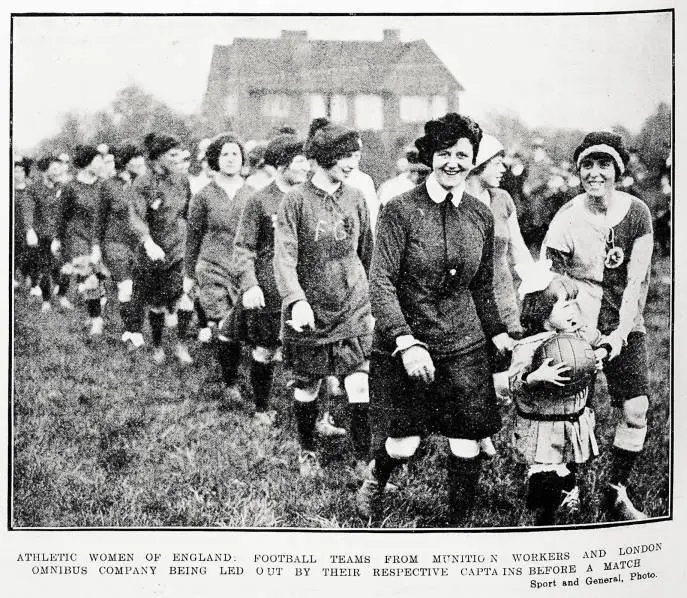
(438, 194)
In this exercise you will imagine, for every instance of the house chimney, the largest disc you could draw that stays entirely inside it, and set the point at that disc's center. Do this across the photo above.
(296, 36)
(392, 36)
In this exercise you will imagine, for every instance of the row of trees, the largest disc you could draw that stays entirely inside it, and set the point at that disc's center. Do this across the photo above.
(135, 112)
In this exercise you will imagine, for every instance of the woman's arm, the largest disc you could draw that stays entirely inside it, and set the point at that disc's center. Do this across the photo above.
(518, 249)
(637, 271)
(385, 269)
(365, 241)
(286, 251)
(195, 232)
(482, 288)
(246, 243)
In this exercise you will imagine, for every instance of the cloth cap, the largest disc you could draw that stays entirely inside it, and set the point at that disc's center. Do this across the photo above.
(159, 144)
(534, 276)
(489, 146)
(283, 149)
(603, 142)
(332, 142)
(124, 154)
(84, 154)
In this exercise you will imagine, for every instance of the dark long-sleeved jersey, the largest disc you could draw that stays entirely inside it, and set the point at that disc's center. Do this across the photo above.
(323, 246)
(75, 221)
(254, 245)
(41, 207)
(212, 222)
(112, 223)
(441, 293)
(158, 209)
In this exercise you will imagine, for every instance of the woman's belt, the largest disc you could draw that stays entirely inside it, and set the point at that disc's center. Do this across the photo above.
(550, 417)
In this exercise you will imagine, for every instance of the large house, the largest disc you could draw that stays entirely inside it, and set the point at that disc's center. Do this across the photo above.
(386, 88)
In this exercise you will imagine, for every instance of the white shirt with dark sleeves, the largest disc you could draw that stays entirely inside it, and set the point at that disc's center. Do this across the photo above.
(438, 289)
(577, 242)
(323, 247)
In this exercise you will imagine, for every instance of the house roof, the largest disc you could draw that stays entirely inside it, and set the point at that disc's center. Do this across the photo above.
(294, 63)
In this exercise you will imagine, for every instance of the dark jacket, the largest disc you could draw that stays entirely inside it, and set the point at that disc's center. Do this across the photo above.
(41, 207)
(445, 302)
(112, 223)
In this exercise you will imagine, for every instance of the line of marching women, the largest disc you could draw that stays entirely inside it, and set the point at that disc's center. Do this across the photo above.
(414, 307)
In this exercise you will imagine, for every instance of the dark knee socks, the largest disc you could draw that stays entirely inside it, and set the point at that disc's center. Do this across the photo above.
(306, 415)
(261, 380)
(360, 430)
(157, 324)
(463, 476)
(229, 357)
(183, 322)
(622, 464)
(93, 308)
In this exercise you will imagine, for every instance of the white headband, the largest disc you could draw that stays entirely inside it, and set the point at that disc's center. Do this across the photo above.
(602, 148)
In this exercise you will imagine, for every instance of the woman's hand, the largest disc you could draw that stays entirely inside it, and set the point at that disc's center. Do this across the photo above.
(418, 363)
(549, 373)
(154, 252)
(31, 238)
(302, 316)
(253, 298)
(96, 254)
(615, 341)
(600, 354)
(503, 342)
(188, 284)
(55, 247)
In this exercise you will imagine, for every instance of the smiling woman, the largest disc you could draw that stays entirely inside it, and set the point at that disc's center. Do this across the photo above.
(431, 288)
(603, 239)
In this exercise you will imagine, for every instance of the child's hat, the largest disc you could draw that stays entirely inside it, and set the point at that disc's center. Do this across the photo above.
(534, 276)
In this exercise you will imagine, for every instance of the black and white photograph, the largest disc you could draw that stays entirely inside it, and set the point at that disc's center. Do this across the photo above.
(341, 272)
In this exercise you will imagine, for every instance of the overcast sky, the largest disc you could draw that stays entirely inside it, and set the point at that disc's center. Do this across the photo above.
(584, 72)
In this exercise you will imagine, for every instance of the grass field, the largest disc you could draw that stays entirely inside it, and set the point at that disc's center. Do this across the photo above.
(103, 437)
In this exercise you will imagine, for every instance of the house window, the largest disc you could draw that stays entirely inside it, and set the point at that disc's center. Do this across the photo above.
(338, 109)
(231, 104)
(276, 105)
(439, 106)
(369, 112)
(318, 106)
(414, 109)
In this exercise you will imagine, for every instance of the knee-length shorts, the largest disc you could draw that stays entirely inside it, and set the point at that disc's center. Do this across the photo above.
(310, 363)
(628, 374)
(459, 403)
(120, 260)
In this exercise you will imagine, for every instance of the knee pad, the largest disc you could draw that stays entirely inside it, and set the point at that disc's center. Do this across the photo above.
(307, 395)
(67, 269)
(402, 448)
(124, 290)
(262, 355)
(357, 387)
(463, 448)
(185, 303)
(91, 283)
(171, 319)
(631, 430)
(157, 310)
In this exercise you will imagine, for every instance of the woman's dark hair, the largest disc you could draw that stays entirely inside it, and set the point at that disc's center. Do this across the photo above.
(125, 153)
(537, 306)
(84, 154)
(26, 164)
(445, 132)
(215, 149)
(44, 162)
(480, 169)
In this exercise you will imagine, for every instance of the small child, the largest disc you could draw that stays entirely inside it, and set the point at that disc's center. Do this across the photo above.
(552, 433)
